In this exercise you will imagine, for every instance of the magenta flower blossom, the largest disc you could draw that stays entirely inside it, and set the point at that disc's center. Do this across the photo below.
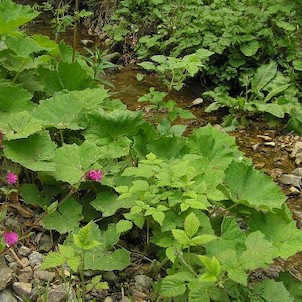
(10, 238)
(95, 175)
(11, 178)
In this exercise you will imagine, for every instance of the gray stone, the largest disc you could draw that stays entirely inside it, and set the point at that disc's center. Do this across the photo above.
(108, 299)
(45, 275)
(142, 282)
(7, 296)
(25, 277)
(298, 172)
(6, 275)
(9, 258)
(24, 261)
(13, 223)
(60, 293)
(3, 263)
(24, 251)
(22, 288)
(289, 179)
(13, 266)
(45, 243)
(35, 258)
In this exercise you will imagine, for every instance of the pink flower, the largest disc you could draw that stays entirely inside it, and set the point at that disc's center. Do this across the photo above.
(95, 175)
(11, 178)
(10, 238)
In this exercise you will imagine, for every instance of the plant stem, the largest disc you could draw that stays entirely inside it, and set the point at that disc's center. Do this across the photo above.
(61, 136)
(82, 270)
(75, 30)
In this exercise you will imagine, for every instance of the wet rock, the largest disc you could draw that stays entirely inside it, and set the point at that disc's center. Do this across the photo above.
(7, 296)
(6, 275)
(24, 251)
(289, 179)
(22, 288)
(35, 258)
(45, 275)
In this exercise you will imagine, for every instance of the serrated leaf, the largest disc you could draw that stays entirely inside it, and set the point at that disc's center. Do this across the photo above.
(281, 231)
(181, 237)
(250, 48)
(123, 226)
(202, 239)
(171, 287)
(198, 294)
(73, 161)
(158, 217)
(74, 262)
(54, 259)
(13, 15)
(66, 218)
(191, 224)
(97, 259)
(170, 254)
(37, 151)
(243, 182)
(83, 238)
(108, 203)
(272, 291)
(31, 195)
(66, 251)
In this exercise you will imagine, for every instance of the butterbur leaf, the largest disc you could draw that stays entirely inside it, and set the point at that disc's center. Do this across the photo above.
(73, 161)
(13, 15)
(272, 291)
(37, 151)
(252, 188)
(191, 224)
(66, 218)
(98, 259)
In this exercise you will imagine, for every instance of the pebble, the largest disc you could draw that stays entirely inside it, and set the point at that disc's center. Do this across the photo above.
(60, 293)
(24, 251)
(142, 281)
(35, 258)
(297, 172)
(6, 275)
(269, 144)
(13, 266)
(45, 275)
(25, 277)
(22, 288)
(108, 299)
(25, 262)
(7, 296)
(289, 179)
(293, 191)
(44, 242)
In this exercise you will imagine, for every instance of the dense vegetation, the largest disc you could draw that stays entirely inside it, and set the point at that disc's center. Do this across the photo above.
(97, 172)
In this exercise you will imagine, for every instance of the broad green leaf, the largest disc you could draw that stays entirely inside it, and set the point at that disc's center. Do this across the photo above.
(293, 285)
(252, 188)
(114, 124)
(158, 217)
(73, 161)
(46, 43)
(108, 203)
(13, 15)
(212, 265)
(259, 251)
(66, 218)
(285, 25)
(123, 226)
(216, 148)
(147, 65)
(198, 294)
(83, 238)
(13, 99)
(31, 195)
(280, 230)
(272, 108)
(271, 291)
(250, 48)
(72, 76)
(53, 259)
(66, 250)
(37, 152)
(97, 259)
(61, 111)
(20, 125)
(264, 74)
